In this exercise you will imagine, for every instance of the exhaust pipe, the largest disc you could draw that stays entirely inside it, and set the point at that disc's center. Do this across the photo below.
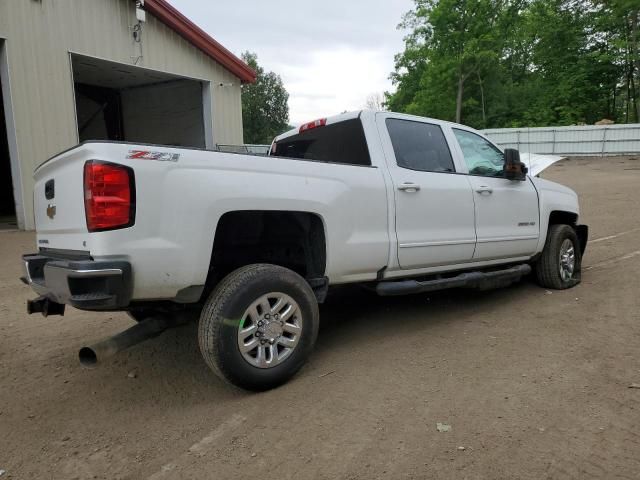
(144, 330)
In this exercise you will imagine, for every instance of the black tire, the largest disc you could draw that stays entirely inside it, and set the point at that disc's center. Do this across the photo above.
(221, 316)
(548, 265)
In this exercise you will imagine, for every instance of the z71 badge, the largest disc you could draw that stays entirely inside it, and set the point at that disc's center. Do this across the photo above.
(149, 155)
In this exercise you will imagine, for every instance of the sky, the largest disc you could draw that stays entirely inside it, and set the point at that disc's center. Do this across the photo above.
(331, 54)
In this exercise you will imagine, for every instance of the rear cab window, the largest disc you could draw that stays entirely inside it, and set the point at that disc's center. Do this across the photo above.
(420, 146)
(342, 142)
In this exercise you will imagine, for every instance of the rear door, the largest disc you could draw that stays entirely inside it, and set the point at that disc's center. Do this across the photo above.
(434, 204)
(507, 217)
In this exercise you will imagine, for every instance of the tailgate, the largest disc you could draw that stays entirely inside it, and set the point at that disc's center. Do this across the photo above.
(59, 201)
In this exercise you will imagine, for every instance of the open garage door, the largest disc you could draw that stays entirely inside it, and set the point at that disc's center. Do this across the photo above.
(7, 202)
(116, 101)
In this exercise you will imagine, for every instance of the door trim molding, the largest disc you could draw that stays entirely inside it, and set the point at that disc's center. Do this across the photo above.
(437, 243)
(508, 239)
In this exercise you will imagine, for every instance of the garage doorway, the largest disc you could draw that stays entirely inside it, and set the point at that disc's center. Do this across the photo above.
(115, 101)
(8, 219)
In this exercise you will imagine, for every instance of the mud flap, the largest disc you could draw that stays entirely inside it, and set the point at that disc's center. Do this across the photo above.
(582, 231)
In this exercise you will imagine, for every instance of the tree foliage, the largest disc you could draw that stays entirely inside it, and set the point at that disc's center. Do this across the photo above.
(265, 109)
(500, 63)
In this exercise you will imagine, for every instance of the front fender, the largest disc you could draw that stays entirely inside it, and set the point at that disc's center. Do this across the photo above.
(554, 197)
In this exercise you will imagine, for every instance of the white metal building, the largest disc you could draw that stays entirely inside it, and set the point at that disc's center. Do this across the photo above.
(76, 70)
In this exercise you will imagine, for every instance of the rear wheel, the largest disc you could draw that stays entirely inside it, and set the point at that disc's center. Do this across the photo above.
(259, 326)
(559, 265)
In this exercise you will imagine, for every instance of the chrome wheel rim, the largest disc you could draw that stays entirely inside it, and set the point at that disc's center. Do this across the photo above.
(567, 260)
(269, 330)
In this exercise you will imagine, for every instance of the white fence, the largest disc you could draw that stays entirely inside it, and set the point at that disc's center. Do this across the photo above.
(574, 140)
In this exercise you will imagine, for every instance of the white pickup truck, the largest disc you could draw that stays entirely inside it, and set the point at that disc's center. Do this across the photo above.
(251, 244)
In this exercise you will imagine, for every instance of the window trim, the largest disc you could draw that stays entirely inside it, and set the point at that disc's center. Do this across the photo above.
(432, 124)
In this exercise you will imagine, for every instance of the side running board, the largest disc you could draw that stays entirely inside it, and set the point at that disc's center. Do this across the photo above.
(480, 280)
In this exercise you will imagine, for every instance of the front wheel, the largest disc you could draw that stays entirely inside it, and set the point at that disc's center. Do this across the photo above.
(559, 265)
(259, 326)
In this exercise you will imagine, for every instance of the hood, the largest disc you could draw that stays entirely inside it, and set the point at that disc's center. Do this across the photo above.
(537, 163)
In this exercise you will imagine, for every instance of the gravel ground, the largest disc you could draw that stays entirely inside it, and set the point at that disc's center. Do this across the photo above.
(534, 384)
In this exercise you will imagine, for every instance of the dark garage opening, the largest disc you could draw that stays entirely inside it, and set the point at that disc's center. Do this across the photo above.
(122, 102)
(7, 202)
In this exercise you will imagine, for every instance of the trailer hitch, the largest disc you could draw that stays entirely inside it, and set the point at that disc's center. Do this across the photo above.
(45, 306)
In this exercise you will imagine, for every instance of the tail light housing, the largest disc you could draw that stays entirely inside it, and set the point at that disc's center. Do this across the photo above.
(109, 196)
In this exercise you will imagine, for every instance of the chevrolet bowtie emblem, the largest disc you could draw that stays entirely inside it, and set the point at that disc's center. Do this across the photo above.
(51, 211)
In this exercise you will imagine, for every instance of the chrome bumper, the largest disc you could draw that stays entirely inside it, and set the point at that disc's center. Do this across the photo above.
(84, 284)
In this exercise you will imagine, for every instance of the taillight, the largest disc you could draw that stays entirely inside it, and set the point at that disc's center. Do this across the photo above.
(109, 196)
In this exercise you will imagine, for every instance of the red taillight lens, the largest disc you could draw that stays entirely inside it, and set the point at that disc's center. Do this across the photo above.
(109, 196)
(311, 125)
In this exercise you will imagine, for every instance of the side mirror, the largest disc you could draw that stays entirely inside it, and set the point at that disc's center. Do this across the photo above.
(514, 169)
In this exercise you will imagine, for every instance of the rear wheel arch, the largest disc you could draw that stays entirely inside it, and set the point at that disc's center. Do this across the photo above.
(292, 239)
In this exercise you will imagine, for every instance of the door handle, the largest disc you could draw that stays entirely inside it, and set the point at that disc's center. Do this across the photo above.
(409, 187)
(484, 189)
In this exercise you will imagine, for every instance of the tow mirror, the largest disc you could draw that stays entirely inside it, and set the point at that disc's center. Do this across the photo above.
(514, 169)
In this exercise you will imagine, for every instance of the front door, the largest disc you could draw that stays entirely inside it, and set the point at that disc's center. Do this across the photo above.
(507, 215)
(434, 205)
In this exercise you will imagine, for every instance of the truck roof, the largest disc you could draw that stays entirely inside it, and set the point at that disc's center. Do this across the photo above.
(350, 115)
(326, 121)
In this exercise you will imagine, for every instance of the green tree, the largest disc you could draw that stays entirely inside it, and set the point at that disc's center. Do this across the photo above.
(452, 43)
(625, 20)
(500, 63)
(265, 109)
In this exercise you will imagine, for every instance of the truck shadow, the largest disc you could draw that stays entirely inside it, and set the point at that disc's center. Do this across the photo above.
(357, 304)
(352, 319)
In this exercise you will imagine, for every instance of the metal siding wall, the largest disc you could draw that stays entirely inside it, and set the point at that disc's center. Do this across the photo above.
(574, 140)
(40, 35)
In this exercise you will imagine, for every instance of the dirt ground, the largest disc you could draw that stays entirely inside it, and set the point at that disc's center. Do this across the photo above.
(534, 384)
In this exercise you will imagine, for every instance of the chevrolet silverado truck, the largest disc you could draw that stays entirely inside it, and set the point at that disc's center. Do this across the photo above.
(251, 244)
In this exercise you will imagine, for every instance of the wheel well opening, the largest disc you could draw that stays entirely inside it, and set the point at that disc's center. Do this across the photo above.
(294, 240)
(563, 218)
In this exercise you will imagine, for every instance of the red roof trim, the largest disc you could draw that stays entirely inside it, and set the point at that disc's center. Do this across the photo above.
(176, 21)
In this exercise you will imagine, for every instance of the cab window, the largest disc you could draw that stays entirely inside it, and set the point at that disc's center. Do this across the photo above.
(481, 157)
(419, 146)
(342, 142)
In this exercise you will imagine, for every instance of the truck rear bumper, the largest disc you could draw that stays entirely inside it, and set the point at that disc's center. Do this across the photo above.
(84, 284)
